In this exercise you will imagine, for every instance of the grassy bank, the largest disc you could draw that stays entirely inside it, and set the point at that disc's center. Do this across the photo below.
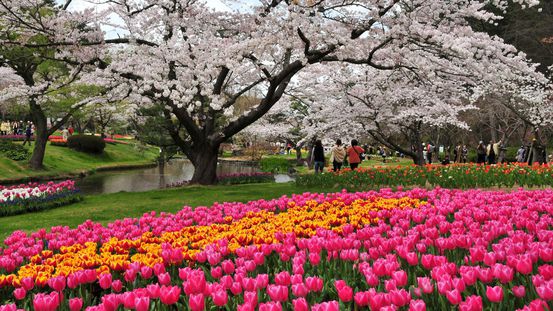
(62, 161)
(108, 207)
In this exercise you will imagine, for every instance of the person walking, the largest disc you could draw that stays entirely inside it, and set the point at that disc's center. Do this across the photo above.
(429, 150)
(354, 154)
(318, 156)
(337, 155)
(28, 134)
(5, 127)
(464, 154)
(521, 152)
(492, 151)
(65, 134)
(481, 153)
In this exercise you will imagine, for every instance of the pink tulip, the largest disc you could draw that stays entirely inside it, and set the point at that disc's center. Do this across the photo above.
(19, 293)
(117, 286)
(27, 283)
(277, 292)
(169, 294)
(146, 272)
(75, 304)
(454, 297)
(270, 306)
(250, 298)
(105, 280)
(361, 299)
(300, 290)
(417, 305)
(495, 293)
(471, 303)
(425, 284)
(519, 291)
(153, 290)
(300, 304)
(524, 265)
(57, 283)
(400, 277)
(44, 302)
(196, 302)
(283, 278)
(326, 306)
(164, 279)
(315, 284)
(220, 298)
(142, 303)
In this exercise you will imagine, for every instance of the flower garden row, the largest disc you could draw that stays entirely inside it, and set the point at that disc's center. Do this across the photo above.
(451, 176)
(419, 249)
(34, 197)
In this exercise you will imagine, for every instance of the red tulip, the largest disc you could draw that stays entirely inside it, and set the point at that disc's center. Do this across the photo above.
(495, 293)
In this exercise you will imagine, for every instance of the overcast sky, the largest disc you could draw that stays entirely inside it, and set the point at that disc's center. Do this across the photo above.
(113, 32)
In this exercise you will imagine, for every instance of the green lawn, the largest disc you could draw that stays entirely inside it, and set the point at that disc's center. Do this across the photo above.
(62, 160)
(109, 207)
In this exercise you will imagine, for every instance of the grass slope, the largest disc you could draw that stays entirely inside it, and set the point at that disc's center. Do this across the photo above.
(65, 161)
(109, 207)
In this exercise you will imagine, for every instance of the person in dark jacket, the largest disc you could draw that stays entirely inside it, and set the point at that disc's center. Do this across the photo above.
(318, 156)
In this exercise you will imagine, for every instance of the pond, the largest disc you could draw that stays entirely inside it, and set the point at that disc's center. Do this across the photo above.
(145, 179)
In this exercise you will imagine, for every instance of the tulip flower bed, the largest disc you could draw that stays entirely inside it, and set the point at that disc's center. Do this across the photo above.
(420, 249)
(461, 176)
(34, 197)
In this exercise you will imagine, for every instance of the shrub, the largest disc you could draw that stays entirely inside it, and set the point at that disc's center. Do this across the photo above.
(86, 143)
(58, 142)
(13, 151)
(275, 164)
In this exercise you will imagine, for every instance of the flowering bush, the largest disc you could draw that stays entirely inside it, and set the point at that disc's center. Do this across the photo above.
(12, 137)
(421, 249)
(33, 197)
(451, 176)
(60, 142)
(245, 178)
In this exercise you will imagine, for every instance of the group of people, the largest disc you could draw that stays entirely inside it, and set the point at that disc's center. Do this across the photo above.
(8, 127)
(339, 154)
(488, 153)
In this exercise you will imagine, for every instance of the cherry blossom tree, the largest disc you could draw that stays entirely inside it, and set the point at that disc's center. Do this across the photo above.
(197, 62)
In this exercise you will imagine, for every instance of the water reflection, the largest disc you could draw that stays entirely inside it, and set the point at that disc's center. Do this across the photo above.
(145, 179)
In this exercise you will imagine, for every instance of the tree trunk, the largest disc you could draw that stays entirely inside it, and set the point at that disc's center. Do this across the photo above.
(41, 136)
(204, 160)
(299, 161)
(418, 157)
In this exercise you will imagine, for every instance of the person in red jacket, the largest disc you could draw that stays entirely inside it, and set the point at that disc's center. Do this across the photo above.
(355, 154)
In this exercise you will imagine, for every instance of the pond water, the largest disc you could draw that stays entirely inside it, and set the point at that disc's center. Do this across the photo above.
(145, 179)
